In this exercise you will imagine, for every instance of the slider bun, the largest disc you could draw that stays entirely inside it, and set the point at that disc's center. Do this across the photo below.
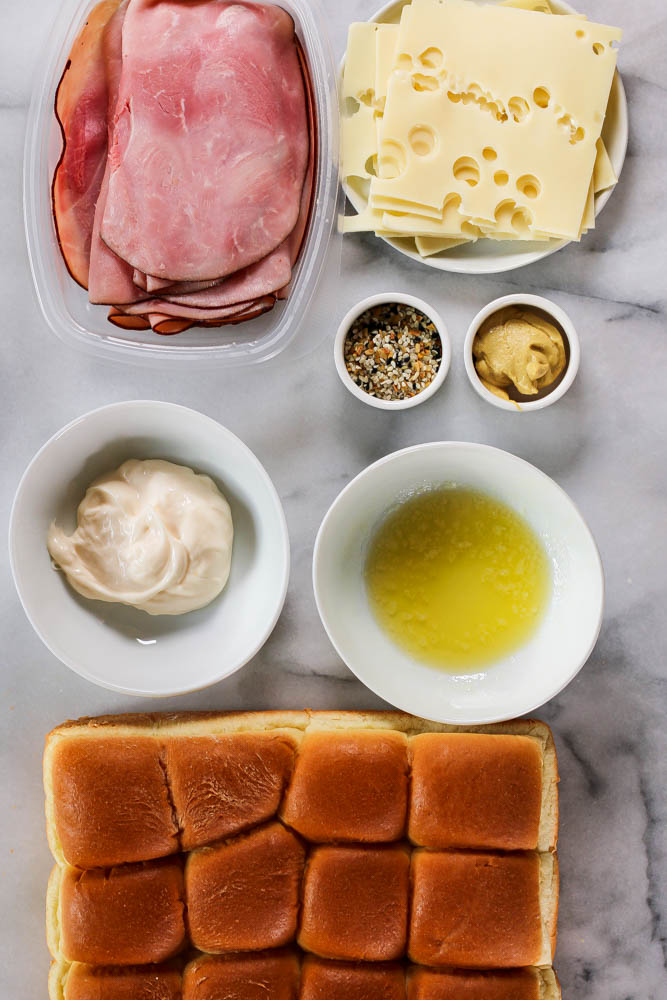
(472, 790)
(482, 911)
(349, 786)
(355, 903)
(514, 984)
(243, 895)
(131, 915)
(324, 980)
(222, 785)
(268, 976)
(110, 799)
(158, 982)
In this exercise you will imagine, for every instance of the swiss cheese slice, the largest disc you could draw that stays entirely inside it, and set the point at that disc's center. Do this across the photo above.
(503, 126)
(359, 72)
(386, 39)
(427, 246)
(604, 175)
(359, 143)
(372, 55)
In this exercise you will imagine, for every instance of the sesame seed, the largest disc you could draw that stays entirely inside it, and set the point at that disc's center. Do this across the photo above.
(393, 351)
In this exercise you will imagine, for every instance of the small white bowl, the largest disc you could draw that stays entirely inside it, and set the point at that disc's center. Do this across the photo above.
(547, 396)
(511, 686)
(344, 329)
(119, 647)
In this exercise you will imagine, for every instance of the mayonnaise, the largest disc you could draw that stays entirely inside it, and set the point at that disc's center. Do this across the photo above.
(150, 534)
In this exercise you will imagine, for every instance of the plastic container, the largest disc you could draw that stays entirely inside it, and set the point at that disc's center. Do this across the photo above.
(65, 305)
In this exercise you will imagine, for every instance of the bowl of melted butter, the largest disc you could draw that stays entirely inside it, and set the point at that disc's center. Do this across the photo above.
(458, 582)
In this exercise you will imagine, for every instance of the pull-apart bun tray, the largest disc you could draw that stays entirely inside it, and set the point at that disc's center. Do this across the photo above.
(301, 855)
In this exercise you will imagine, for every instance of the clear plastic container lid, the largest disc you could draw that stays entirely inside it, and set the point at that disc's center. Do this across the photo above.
(65, 304)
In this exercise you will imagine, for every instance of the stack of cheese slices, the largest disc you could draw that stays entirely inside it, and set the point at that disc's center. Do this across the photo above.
(468, 121)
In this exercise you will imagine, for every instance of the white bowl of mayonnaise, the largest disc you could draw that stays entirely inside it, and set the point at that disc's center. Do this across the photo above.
(168, 554)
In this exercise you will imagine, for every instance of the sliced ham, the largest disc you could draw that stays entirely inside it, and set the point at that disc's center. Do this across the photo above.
(81, 104)
(262, 278)
(297, 235)
(167, 326)
(144, 282)
(186, 183)
(128, 322)
(195, 312)
(110, 278)
(211, 115)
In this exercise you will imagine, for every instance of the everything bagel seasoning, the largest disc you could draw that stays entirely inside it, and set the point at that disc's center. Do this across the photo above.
(393, 351)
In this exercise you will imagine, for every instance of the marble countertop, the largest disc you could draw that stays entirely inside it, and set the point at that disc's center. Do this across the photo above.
(605, 443)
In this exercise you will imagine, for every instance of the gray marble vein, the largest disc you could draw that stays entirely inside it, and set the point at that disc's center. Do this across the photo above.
(605, 443)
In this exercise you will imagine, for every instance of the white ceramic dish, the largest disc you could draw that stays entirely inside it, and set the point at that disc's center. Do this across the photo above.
(488, 256)
(547, 396)
(369, 303)
(518, 683)
(65, 305)
(119, 647)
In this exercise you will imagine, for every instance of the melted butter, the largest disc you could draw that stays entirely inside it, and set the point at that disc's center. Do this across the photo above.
(457, 578)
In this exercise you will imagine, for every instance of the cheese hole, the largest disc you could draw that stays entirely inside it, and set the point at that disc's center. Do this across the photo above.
(431, 58)
(489, 153)
(351, 107)
(454, 98)
(580, 33)
(511, 218)
(371, 166)
(518, 108)
(541, 96)
(466, 169)
(504, 212)
(501, 177)
(521, 220)
(598, 48)
(577, 136)
(393, 160)
(451, 203)
(529, 186)
(422, 139)
(404, 61)
(421, 82)
(367, 97)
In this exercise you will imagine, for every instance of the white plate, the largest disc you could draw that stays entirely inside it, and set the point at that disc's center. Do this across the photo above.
(512, 686)
(119, 647)
(489, 256)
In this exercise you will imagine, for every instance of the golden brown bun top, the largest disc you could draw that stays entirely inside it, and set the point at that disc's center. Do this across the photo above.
(243, 895)
(475, 910)
(355, 903)
(515, 984)
(325, 980)
(131, 915)
(224, 784)
(111, 800)
(349, 786)
(143, 787)
(85, 982)
(472, 790)
(121, 789)
(264, 976)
